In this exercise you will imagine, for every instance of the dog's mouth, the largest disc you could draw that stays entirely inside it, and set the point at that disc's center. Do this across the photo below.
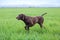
(17, 18)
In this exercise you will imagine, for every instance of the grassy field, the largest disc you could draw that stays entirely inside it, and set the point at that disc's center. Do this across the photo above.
(12, 29)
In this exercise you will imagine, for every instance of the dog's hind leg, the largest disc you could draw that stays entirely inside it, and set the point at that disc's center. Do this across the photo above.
(41, 25)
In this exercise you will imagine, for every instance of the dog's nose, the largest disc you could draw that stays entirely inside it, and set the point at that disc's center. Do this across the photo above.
(16, 17)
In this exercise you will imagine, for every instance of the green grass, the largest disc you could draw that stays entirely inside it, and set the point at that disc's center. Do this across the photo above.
(12, 29)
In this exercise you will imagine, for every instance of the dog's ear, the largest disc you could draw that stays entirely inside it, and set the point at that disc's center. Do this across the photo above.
(23, 16)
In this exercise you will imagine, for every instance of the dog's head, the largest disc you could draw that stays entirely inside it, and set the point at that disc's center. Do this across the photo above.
(20, 17)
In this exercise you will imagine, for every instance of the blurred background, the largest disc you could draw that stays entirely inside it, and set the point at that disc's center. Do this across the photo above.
(29, 3)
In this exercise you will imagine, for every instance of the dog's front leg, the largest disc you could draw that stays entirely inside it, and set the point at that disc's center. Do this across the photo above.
(26, 27)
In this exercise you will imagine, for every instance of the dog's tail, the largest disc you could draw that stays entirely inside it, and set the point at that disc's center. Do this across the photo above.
(43, 14)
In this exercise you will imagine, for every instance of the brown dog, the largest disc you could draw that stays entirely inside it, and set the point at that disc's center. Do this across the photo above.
(30, 21)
